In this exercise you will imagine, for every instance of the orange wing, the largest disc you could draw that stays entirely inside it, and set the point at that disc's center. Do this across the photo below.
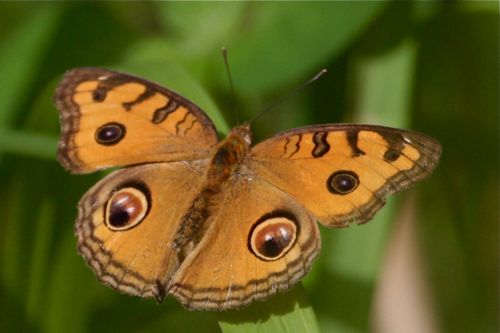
(112, 119)
(128, 221)
(260, 241)
(343, 173)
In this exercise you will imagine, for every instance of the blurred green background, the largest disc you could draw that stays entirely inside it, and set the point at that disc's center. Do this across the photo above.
(427, 66)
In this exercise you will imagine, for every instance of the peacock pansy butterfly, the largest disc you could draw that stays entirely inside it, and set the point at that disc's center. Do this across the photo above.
(216, 223)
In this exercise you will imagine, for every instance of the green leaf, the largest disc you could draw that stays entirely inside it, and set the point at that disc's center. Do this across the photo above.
(66, 306)
(39, 265)
(458, 100)
(283, 313)
(295, 44)
(20, 58)
(29, 144)
(197, 29)
(385, 86)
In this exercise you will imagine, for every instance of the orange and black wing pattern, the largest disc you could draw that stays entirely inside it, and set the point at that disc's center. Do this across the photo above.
(112, 119)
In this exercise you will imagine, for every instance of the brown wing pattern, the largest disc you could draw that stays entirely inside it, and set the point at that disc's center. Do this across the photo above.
(113, 119)
(343, 173)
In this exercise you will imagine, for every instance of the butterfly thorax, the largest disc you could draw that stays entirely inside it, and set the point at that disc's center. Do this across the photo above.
(228, 155)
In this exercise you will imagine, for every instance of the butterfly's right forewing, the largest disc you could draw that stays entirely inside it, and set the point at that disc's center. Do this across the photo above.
(111, 119)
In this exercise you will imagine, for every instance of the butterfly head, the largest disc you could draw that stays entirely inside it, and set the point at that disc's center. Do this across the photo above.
(241, 133)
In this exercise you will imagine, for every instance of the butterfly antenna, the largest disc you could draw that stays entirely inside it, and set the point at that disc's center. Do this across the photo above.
(289, 94)
(231, 86)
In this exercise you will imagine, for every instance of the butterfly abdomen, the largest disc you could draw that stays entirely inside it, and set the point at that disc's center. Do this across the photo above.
(193, 226)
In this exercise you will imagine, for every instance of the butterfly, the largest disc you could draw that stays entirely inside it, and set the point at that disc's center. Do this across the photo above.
(216, 223)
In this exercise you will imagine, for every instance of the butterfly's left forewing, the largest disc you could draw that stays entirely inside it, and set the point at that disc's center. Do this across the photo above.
(343, 173)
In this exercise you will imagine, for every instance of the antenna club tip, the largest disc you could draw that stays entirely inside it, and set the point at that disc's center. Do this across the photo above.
(317, 76)
(223, 49)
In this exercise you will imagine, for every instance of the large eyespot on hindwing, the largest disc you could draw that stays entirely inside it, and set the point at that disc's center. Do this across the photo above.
(110, 134)
(127, 207)
(342, 182)
(273, 235)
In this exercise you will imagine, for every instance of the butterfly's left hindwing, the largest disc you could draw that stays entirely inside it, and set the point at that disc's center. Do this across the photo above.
(260, 241)
(343, 173)
(113, 119)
